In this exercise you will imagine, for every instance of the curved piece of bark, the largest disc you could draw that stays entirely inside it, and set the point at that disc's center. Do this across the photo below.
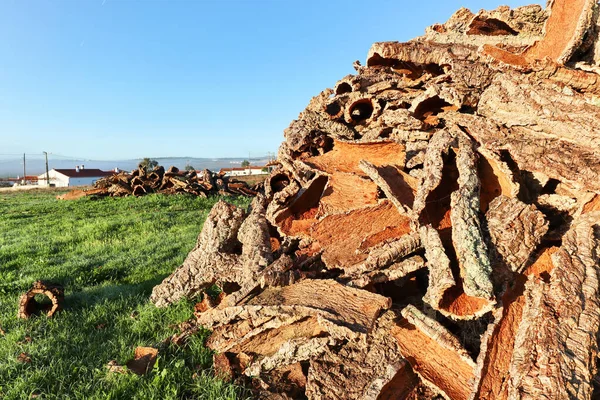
(498, 343)
(475, 266)
(516, 102)
(440, 273)
(444, 293)
(497, 179)
(565, 28)
(392, 273)
(424, 53)
(300, 215)
(345, 192)
(334, 108)
(215, 252)
(576, 163)
(433, 165)
(515, 229)
(290, 379)
(355, 308)
(386, 254)
(346, 85)
(556, 347)
(506, 27)
(371, 369)
(255, 238)
(286, 325)
(434, 353)
(361, 109)
(394, 184)
(301, 133)
(592, 205)
(345, 157)
(400, 119)
(357, 225)
(229, 250)
(28, 306)
(139, 190)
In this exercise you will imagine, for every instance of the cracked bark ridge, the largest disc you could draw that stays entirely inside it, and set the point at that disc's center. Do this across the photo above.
(468, 241)
(452, 181)
(516, 229)
(571, 295)
(375, 367)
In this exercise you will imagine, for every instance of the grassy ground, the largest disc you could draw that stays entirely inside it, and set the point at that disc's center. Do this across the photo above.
(108, 254)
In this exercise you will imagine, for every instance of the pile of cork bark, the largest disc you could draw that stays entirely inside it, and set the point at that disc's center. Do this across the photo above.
(140, 182)
(433, 229)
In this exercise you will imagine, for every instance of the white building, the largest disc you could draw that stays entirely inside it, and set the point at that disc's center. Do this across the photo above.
(72, 177)
(250, 170)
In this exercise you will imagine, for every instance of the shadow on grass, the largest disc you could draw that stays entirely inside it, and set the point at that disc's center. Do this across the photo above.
(89, 297)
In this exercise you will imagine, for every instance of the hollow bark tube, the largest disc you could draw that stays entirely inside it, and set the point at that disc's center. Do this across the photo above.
(28, 305)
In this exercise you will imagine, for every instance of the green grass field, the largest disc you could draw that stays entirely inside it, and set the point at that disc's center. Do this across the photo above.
(108, 254)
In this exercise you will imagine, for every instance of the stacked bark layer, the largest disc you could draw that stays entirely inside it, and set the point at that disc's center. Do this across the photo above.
(434, 227)
(140, 182)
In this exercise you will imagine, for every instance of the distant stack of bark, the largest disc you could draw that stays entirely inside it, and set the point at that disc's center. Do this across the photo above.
(433, 229)
(140, 182)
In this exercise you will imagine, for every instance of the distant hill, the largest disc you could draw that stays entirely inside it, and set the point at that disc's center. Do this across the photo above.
(36, 166)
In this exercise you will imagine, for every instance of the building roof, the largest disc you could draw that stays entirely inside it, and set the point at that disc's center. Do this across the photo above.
(25, 178)
(83, 173)
(241, 168)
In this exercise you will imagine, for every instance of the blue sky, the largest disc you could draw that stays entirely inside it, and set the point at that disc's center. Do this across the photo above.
(108, 79)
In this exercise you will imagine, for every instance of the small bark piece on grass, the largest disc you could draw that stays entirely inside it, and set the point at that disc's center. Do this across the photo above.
(143, 361)
(29, 306)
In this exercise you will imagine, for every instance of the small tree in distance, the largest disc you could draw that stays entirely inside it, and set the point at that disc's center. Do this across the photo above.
(148, 164)
(245, 163)
(188, 167)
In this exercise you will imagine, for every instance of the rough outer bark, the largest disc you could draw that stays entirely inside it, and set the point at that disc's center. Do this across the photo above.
(28, 305)
(468, 241)
(355, 308)
(290, 324)
(558, 333)
(498, 342)
(566, 161)
(215, 257)
(371, 369)
(515, 229)
(444, 293)
(565, 147)
(433, 166)
(387, 253)
(440, 273)
(392, 273)
(522, 26)
(338, 209)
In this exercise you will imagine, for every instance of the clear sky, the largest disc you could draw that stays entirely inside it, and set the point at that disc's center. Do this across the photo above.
(109, 79)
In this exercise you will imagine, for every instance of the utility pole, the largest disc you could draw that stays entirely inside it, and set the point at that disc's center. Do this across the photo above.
(24, 172)
(47, 175)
